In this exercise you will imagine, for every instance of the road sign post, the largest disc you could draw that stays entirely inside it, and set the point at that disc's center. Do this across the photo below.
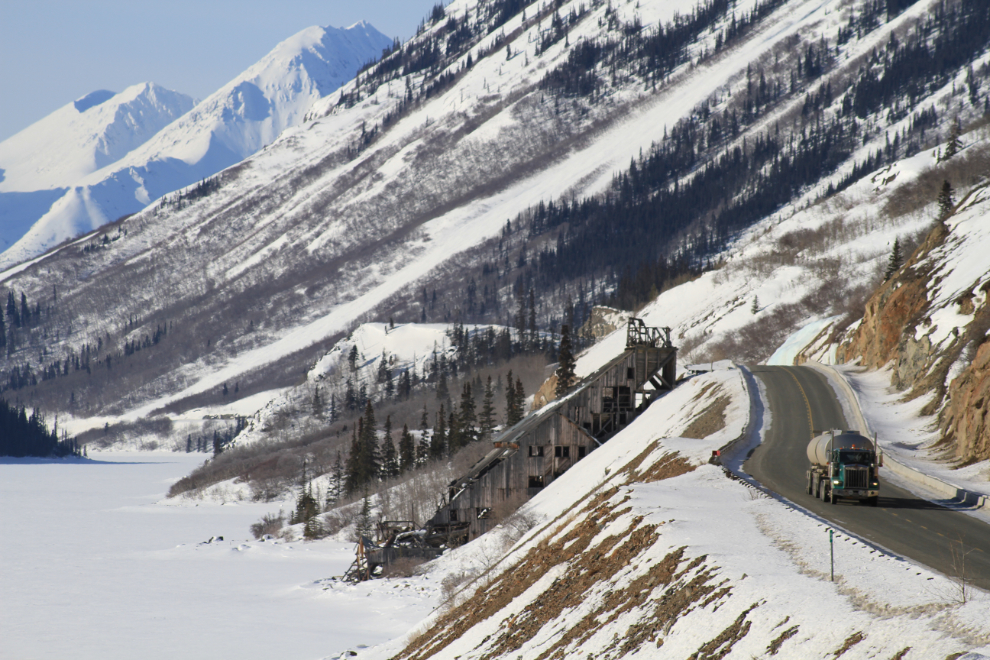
(831, 551)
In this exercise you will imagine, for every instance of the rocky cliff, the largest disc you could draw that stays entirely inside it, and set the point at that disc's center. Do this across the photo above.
(929, 322)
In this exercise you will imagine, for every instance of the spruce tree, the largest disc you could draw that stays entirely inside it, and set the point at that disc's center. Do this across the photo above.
(317, 403)
(533, 337)
(368, 439)
(954, 144)
(755, 307)
(352, 358)
(3, 333)
(510, 400)
(407, 450)
(468, 419)
(442, 392)
(337, 476)
(354, 479)
(382, 369)
(486, 420)
(390, 459)
(438, 443)
(895, 260)
(455, 437)
(565, 359)
(945, 201)
(423, 449)
(364, 523)
(350, 398)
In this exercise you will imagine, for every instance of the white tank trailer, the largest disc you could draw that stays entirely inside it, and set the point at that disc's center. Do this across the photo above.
(844, 464)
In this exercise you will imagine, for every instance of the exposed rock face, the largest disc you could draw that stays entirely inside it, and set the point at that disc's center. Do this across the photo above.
(892, 314)
(546, 393)
(931, 321)
(964, 421)
(603, 321)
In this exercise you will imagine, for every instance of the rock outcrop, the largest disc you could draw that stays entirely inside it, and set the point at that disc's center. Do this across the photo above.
(930, 321)
(603, 321)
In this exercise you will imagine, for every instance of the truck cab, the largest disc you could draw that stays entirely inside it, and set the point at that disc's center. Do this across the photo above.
(846, 465)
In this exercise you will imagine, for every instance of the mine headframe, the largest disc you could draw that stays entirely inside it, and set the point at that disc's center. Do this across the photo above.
(640, 334)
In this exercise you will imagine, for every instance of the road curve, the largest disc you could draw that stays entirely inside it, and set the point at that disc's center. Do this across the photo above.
(800, 401)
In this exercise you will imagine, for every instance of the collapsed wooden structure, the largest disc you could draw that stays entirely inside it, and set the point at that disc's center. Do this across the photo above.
(528, 456)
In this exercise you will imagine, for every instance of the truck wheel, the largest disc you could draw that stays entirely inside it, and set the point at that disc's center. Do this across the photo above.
(874, 500)
(831, 496)
(810, 484)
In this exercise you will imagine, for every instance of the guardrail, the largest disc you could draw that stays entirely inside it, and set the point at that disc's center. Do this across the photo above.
(951, 491)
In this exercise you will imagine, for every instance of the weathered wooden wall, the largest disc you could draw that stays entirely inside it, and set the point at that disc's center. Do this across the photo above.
(543, 446)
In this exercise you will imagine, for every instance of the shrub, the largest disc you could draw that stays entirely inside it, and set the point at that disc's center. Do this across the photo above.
(269, 524)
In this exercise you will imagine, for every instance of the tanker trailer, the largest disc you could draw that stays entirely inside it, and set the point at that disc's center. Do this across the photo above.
(844, 464)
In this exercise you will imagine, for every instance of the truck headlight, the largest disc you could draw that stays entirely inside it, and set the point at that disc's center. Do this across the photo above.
(835, 482)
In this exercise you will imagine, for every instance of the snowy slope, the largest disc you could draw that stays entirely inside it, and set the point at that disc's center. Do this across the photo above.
(644, 550)
(322, 229)
(234, 122)
(38, 164)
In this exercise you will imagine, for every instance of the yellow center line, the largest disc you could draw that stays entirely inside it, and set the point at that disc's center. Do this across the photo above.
(807, 404)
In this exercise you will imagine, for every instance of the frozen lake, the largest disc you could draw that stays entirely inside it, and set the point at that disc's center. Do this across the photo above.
(93, 566)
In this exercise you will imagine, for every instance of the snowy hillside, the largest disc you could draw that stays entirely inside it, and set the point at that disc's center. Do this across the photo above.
(648, 551)
(714, 144)
(40, 163)
(232, 123)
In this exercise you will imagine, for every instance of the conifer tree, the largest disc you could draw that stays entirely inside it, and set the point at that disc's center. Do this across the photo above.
(407, 450)
(337, 476)
(354, 477)
(755, 307)
(350, 398)
(317, 403)
(352, 358)
(486, 420)
(3, 333)
(390, 459)
(533, 338)
(12, 314)
(895, 260)
(364, 523)
(423, 450)
(468, 417)
(438, 443)
(954, 144)
(382, 369)
(442, 392)
(368, 440)
(565, 359)
(455, 438)
(945, 201)
(511, 415)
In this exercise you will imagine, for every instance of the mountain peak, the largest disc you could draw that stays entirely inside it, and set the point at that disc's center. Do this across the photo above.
(93, 99)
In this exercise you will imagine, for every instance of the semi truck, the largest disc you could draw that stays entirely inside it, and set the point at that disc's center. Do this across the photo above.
(844, 464)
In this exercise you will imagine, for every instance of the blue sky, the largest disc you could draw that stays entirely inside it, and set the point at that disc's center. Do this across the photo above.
(54, 51)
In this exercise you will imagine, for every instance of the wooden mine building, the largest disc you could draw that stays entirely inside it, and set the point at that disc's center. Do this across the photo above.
(528, 456)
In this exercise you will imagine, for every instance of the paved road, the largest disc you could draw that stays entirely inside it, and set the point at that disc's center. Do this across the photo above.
(800, 399)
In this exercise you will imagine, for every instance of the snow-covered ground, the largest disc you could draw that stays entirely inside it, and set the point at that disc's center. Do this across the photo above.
(771, 562)
(113, 569)
(95, 566)
(909, 436)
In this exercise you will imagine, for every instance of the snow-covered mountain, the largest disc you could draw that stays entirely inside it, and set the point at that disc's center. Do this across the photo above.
(40, 163)
(401, 183)
(234, 122)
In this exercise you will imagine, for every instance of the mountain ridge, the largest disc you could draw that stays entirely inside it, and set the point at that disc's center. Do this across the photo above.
(243, 116)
